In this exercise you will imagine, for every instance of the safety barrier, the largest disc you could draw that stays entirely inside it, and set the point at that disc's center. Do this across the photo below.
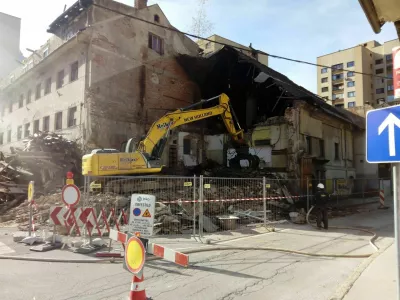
(208, 204)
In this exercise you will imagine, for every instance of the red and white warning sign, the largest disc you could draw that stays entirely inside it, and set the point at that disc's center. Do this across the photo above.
(141, 217)
(70, 194)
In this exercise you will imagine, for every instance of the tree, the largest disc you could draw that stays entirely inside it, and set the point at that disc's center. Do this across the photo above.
(201, 26)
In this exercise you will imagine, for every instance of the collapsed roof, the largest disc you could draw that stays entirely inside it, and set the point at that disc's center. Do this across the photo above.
(257, 92)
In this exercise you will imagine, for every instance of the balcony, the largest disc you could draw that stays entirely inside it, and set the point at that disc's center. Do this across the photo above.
(338, 101)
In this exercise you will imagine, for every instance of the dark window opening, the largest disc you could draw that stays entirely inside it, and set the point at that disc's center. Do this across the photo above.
(156, 43)
(29, 97)
(187, 146)
(47, 87)
(71, 116)
(27, 131)
(337, 151)
(58, 121)
(74, 72)
(309, 144)
(321, 148)
(46, 123)
(38, 91)
(157, 18)
(60, 79)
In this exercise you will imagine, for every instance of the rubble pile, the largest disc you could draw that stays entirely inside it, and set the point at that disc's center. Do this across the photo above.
(45, 158)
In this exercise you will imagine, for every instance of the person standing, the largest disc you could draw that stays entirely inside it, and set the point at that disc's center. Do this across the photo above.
(321, 201)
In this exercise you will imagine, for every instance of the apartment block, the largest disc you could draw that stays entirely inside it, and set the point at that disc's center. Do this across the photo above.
(216, 42)
(342, 87)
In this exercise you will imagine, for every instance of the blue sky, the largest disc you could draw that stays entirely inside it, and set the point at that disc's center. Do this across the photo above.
(299, 29)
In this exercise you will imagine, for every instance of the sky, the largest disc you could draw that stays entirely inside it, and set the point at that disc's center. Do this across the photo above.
(299, 29)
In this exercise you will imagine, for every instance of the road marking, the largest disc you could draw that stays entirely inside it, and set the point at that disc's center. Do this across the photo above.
(5, 249)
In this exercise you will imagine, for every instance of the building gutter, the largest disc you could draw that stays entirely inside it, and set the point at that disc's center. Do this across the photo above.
(371, 14)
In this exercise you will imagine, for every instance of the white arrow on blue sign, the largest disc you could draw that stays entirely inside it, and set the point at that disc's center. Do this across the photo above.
(383, 135)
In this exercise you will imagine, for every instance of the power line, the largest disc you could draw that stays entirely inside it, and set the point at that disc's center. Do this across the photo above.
(235, 47)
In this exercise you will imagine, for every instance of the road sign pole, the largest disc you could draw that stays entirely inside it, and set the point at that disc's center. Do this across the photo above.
(396, 197)
(30, 219)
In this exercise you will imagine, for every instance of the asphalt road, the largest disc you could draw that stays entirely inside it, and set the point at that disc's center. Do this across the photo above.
(221, 275)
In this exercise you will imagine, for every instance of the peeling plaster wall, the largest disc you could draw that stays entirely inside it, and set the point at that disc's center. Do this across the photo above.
(131, 85)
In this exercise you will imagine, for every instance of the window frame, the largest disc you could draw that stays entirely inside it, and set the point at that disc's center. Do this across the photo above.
(46, 118)
(74, 73)
(38, 91)
(47, 86)
(350, 64)
(351, 82)
(60, 79)
(151, 38)
(336, 151)
(58, 119)
(351, 94)
(324, 70)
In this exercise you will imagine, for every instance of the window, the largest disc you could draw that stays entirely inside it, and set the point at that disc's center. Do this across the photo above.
(21, 101)
(309, 144)
(350, 64)
(324, 89)
(379, 71)
(337, 151)
(380, 91)
(1, 138)
(324, 70)
(379, 61)
(60, 79)
(27, 131)
(339, 105)
(325, 79)
(351, 83)
(350, 74)
(157, 18)
(351, 94)
(337, 67)
(390, 98)
(389, 57)
(74, 72)
(337, 87)
(337, 76)
(38, 91)
(321, 148)
(390, 87)
(58, 121)
(351, 104)
(19, 133)
(28, 97)
(47, 87)
(46, 123)
(186, 146)
(45, 52)
(36, 126)
(156, 43)
(9, 136)
(337, 96)
(71, 116)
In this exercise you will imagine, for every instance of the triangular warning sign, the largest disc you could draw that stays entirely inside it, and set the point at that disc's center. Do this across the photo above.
(146, 214)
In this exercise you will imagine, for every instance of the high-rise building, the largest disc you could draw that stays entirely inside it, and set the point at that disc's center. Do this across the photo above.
(342, 87)
(216, 42)
(10, 52)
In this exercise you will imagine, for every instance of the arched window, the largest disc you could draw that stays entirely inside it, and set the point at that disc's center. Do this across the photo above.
(157, 18)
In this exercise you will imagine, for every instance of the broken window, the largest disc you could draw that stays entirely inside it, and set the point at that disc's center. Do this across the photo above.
(19, 133)
(186, 146)
(321, 148)
(336, 151)
(21, 101)
(27, 131)
(60, 79)
(74, 72)
(36, 126)
(29, 97)
(47, 87)
(156, 43)
(9, 136)
(309, 144)
(58, 121)
(38, 91)
(46, 123)
(71, 116)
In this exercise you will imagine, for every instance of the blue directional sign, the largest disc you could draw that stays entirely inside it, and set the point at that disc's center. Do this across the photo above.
(383, 135)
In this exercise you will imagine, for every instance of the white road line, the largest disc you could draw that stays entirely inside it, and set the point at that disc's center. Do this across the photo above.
(5, 249)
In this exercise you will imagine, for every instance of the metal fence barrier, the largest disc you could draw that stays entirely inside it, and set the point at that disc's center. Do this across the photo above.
(196, 205)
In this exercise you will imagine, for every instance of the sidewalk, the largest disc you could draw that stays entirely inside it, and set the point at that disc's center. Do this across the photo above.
(378, 281)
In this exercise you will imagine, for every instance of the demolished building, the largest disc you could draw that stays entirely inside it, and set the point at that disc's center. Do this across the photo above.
(295, 132)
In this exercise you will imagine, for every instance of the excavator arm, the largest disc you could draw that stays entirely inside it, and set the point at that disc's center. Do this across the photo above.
(153, 144)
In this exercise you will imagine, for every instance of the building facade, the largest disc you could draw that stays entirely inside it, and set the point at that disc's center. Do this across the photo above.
(101, 79)
(10, 53)
(342, 87)
(210, 47)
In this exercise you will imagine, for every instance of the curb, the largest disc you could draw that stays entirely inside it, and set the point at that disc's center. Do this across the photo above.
(345, 287)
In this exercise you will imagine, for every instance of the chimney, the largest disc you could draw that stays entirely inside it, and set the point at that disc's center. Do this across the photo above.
(140, 4)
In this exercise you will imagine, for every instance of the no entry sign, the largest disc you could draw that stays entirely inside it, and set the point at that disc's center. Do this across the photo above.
(70, 194)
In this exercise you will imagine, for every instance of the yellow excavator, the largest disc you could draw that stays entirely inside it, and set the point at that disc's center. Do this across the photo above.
(145, 158)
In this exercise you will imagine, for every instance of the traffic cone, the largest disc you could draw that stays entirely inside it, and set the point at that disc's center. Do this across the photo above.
(137, 289)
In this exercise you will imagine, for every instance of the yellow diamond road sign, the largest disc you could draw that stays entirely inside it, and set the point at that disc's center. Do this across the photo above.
(31, 191)
(134, 255)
